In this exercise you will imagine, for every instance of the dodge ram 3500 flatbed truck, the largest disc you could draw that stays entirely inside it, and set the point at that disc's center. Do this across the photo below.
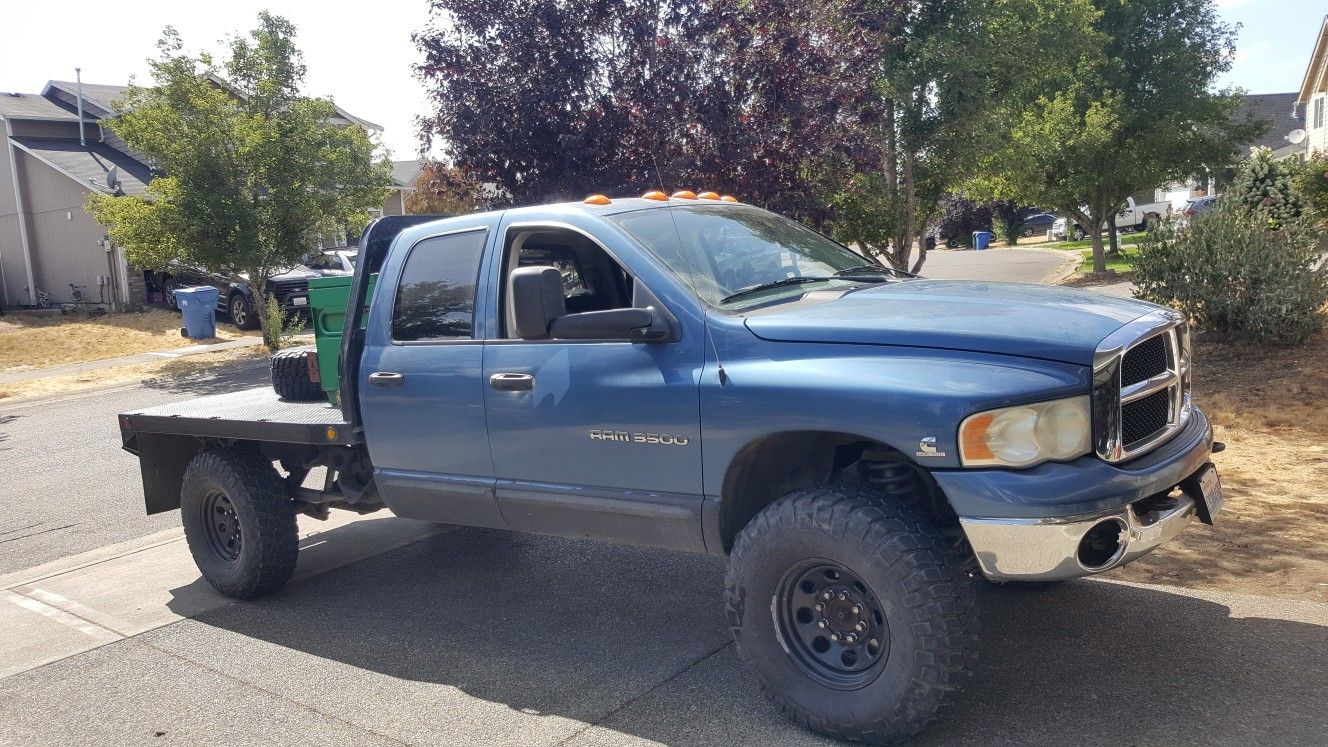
(695, 373)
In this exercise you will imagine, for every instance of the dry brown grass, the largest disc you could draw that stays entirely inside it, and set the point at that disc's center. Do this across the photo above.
(199, 365)
(1270, 407)
(31, 341)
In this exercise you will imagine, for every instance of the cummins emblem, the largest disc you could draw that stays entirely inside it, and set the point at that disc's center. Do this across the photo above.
(927, 448)
(665, 439)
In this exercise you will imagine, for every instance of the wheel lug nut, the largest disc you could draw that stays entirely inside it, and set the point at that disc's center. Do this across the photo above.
(827, 596)
(856, 609)
(850, 638)
(843, 595)
(818, 607)
(834, 637)
(821, 624)
(860, 626)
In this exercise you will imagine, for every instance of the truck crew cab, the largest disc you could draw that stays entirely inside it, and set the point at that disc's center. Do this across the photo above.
(695, 373)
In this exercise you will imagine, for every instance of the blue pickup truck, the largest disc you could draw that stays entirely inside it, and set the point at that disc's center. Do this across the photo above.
(695, 373)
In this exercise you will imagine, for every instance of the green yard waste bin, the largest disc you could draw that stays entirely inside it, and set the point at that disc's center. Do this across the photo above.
(328, 299)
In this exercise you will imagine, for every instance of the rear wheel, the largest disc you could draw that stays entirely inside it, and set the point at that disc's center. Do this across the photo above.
(290, 376)
(856, 614)
(238, 522)
(242, 312)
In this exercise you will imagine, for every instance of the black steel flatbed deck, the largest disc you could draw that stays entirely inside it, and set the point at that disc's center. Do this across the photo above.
(252, 415)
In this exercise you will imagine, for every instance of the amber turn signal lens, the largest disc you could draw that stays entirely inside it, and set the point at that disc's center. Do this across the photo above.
(709, 195)
(655, 195)
(729, 198)
(683, 194)
(598, 200)
(973, 439)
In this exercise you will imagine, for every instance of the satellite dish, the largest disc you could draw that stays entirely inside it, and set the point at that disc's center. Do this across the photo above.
(1296, 137)
(113, 179)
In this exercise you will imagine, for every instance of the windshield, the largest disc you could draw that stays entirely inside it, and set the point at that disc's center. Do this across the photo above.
(729, 253)
(322, 261)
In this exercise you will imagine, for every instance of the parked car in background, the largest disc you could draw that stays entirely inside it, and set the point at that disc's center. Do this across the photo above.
(1133, 217)
(1197, 206)
(1038, 224)
(236, 297)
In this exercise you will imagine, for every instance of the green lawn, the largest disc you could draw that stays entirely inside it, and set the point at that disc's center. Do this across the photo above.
(1123, 263)
(1125, 238)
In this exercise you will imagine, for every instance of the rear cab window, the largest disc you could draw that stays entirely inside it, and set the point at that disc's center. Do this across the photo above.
(436, 294)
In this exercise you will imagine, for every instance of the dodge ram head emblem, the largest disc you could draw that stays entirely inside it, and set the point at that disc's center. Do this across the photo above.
(927, 448)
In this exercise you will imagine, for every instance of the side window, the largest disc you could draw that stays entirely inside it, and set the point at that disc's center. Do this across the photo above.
(592, 279)
(436, 296)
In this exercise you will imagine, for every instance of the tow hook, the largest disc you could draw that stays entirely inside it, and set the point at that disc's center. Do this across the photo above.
(1218, 447)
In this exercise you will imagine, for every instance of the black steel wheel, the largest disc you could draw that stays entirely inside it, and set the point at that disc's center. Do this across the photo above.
(224, 535)
(238, 521)
(881, 574)
(833, 624)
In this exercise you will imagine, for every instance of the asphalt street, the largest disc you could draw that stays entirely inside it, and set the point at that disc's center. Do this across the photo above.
(1006, 265)
(476, 637)
(65, 485)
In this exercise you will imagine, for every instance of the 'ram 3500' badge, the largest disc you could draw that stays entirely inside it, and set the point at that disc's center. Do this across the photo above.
(927, 448)
(666, 439)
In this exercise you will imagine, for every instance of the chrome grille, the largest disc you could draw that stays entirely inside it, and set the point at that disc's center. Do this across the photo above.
(1141, 386)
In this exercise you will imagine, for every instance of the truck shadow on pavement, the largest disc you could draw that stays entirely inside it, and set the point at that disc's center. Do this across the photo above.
(634, 641)
(180, 377)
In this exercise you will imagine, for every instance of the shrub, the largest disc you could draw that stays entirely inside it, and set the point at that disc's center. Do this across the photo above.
(1228, 272)
(960, 217)
(1268, 189)
(1313, 184)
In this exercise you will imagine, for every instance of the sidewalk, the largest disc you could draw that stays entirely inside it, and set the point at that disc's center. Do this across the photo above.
(125, 360)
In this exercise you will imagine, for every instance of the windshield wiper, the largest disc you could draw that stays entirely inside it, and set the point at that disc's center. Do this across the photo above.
(875, 270)
(795, 280)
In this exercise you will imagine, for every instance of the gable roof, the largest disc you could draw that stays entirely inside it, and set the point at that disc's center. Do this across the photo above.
(98, 98)
(36, 106)
(1316, 73)
(1277, 110)
(404, 173)
(87, 165)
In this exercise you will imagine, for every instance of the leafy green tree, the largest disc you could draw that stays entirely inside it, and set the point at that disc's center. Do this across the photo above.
(1136, 110)
(250, 172)
(942, 73)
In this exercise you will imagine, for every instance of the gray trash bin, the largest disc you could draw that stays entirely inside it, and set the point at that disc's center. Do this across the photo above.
(198, 306)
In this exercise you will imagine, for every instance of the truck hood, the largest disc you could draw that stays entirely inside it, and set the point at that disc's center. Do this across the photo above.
(1034, 321)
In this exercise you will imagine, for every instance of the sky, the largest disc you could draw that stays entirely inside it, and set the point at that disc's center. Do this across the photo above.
(362, 58)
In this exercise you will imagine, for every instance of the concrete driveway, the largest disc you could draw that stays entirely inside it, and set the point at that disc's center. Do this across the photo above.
(483, 637)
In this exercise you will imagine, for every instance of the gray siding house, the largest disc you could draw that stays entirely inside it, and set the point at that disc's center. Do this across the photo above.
(47, 241)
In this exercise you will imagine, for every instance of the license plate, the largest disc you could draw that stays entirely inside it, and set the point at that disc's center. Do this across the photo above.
(1211, 487)
(299, 301)
(1205, 488)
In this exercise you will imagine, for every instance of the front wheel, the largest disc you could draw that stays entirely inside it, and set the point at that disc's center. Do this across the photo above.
(856, 614)
(239, 524)
(242, 313)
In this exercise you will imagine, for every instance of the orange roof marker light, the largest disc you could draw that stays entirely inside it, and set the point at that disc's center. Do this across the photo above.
(728, 198)
(597, 200)
(684, 194)
(709, 195)
(655, 195)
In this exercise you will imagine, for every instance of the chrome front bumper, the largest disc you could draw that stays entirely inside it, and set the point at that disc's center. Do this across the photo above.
(1048, 549)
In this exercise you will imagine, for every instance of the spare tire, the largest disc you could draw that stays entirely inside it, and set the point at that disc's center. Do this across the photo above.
(290, 376)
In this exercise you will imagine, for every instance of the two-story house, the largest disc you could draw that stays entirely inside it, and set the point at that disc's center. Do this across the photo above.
(49, 164)
(1314, 96)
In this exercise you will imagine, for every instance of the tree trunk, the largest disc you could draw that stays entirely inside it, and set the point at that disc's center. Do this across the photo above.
(1114, 234)
(1099, 255)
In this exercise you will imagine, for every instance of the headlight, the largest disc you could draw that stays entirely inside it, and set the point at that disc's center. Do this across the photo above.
(1025, 435)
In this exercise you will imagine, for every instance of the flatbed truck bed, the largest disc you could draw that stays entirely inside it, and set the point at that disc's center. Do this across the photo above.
(256, 414)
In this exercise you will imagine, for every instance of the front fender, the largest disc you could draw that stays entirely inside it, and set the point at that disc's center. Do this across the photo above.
(894, 395)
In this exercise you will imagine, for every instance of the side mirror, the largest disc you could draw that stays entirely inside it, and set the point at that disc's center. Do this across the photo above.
(614, 324)
(537, 301)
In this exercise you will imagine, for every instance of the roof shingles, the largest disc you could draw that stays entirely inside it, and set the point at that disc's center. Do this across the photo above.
(87, 165)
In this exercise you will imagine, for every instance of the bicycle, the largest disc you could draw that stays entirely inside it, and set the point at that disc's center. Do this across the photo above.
(76, 292)
(44, 300)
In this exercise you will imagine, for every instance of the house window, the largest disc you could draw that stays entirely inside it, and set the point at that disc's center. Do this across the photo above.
(1318, 112)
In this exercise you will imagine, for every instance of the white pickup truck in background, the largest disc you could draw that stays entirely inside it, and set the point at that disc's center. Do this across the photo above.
(1134, 217)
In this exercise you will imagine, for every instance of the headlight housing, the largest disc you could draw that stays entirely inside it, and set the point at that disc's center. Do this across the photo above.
(1025, 435)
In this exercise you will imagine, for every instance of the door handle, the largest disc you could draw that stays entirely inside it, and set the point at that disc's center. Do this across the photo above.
(386, 379)
(512, 382)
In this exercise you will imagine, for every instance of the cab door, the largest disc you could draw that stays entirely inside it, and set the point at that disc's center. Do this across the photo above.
(422, 395)
(596, 438)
